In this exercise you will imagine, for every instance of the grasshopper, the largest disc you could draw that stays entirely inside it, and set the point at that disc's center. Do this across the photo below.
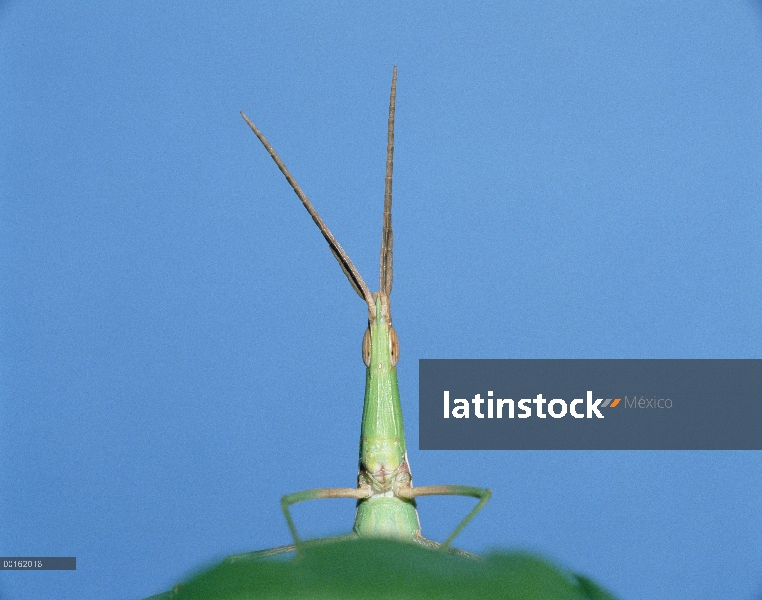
(385, 494)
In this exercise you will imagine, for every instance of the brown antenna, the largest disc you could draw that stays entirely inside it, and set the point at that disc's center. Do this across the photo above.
(346, 263)
(387, 237)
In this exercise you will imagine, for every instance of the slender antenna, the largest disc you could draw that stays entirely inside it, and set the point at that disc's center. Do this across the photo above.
(387, 237)
(346, 263)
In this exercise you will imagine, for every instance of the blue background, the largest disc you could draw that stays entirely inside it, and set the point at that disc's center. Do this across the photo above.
(179, 348)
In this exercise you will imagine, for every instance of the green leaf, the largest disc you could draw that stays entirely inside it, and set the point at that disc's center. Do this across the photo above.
(387, 569)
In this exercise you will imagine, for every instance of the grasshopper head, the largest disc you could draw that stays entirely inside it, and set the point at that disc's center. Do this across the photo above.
(382, 447)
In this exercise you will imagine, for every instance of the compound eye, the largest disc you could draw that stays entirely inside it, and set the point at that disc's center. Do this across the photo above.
(394, 347)
(366, 347)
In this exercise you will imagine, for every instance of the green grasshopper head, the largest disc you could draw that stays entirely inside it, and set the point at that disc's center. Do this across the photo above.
(382, 449)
